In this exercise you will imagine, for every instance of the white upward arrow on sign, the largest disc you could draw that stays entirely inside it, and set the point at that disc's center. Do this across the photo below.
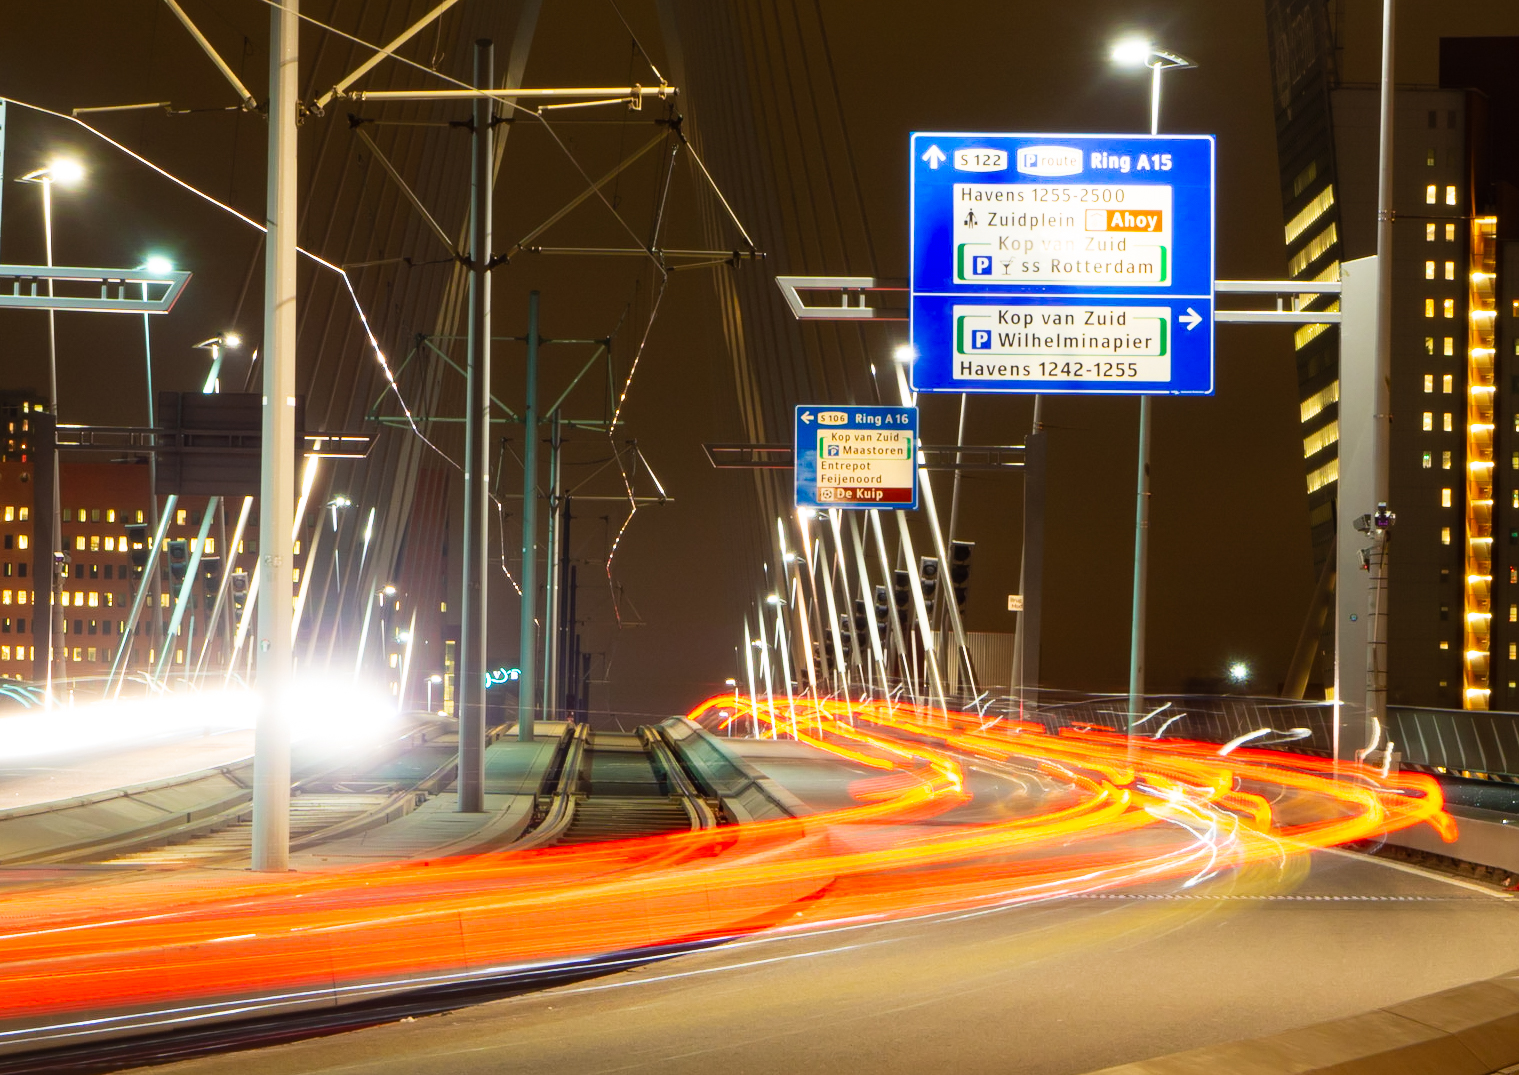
(935, 157)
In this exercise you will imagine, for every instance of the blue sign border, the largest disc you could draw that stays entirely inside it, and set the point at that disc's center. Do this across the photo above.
(934, 292)
(804, 466)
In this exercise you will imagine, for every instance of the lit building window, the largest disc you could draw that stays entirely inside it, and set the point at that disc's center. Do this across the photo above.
(1321, 438)
(1309, 213)
(1447, 384)
(94, 598)
(1317, 247)
(110, 515)
(1322, 476)
(1450, 346)
(1450, 233)
(79, 542)
(1445, 498)
(94, 542)
(181, 515)
(110, 544)
(1513, 613)
(138, 517)
(1449, 308)
(24, 514)
(5, 597)
(1429, 420)
(1429, 270)
(1444, 535)
(1450, 195)
(1429, 382)
(1429, 233)
(10, 513)
(1516, 499)
(22, 541)
(1429, 461)
(163, 598)
(1448, 425)
(1431, 194)
(1429, 307)
(1450, 270)
(1429, 345)
(1309, 407)
(1513, 651)
(210, 549)
(1444, 645)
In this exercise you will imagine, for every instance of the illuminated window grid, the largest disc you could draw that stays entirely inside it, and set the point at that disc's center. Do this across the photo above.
(1477, 592)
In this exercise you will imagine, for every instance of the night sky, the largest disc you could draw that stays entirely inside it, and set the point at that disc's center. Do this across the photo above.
(1231, 565)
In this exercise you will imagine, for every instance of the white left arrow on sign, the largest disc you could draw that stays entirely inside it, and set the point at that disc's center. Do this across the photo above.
(935, 157)
(807, 417)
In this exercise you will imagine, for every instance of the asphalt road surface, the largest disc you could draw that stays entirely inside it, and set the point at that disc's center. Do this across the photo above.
(1068, 986)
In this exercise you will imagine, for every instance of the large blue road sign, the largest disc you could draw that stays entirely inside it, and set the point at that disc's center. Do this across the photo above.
(856, 457)
(1062, 263)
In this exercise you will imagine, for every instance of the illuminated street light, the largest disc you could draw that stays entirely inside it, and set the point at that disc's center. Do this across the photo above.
(1133, 52)
(1239, 672)
(226, 340)
(775, 599)
(905, 353)
(69, 173)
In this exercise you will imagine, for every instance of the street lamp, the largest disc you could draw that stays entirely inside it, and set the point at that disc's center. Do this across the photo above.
(1134, 52)
(69, 173)
(230, 341)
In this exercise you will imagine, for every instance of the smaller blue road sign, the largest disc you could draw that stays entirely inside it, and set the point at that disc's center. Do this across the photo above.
(856, 457)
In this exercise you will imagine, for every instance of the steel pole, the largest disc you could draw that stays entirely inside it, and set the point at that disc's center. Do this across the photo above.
(271, 743)
(1142, 500)
(1376, 628)
(527, 685)
(55, 610)
(552, 581)
(473, 616)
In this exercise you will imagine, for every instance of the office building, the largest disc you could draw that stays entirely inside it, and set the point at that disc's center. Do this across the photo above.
(1454, 470)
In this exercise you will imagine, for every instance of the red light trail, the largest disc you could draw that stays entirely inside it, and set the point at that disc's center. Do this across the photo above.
(165, 950)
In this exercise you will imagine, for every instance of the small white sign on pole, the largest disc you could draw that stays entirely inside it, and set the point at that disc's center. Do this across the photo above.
(1015, 602)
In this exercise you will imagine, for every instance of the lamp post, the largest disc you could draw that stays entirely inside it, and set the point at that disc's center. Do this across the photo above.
(229, 341)
(68, 172)
(431, 681)
(1133, 53)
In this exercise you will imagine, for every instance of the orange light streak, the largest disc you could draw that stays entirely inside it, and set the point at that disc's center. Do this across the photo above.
(1111, 813)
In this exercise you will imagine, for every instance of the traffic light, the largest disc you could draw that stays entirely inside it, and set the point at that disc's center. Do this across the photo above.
(882, 610)
(239, 581)
(846, 636)
(861, 620)
(959, 568)
(901, 595)
(928, 576)
(137, 542)
(179, 558)
(211, 571)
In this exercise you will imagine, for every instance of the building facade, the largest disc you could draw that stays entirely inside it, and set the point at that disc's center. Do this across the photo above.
(1453, 639)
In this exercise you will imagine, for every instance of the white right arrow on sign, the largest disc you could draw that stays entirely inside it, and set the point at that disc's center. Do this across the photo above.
(1191, 319)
